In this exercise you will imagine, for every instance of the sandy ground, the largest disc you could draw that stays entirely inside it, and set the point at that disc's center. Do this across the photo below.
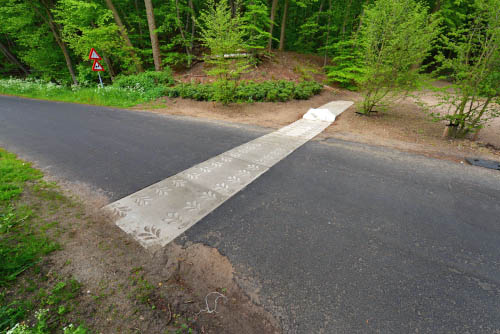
(405, 126)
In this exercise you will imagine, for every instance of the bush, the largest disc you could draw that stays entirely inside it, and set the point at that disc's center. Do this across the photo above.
(145, 81)
(268, 91)
(383, 58)
(473, 98)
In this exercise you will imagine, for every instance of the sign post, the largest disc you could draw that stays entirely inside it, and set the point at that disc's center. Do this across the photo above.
(96, 67)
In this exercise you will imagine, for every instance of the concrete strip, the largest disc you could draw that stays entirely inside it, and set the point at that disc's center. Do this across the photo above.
(158, 214)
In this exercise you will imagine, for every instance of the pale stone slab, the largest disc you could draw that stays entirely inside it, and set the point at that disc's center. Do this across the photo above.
(224, 174)
(158, 214)
(303, 128)
(337, 107)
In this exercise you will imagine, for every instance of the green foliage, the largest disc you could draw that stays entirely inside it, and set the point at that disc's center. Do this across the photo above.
(255, 24)
(223, 34)
(42, 326)
(13, 174)
(61, 292)
(394, 38)
(151, 84)
(23, 22)
(474, 96)
(20, 248)
(107, 96)
(142, 290)
(11, 314)
(268, 91)
(454, 14)
(349, 66)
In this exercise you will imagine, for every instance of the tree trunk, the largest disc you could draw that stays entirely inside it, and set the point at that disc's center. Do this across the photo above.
(5, 50)
(153, 35)
(62, 45)
(437, 6)
(193, 25)
(346, 16)
(328, 31)
(179, 24)
(136, 4)
(110, 67)
(233, 7)
(283, 27)
(273, 13)
(123, 33)
(319, 11)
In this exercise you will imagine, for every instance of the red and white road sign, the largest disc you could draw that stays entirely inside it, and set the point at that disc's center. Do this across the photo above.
(97, 67)
(93, 55)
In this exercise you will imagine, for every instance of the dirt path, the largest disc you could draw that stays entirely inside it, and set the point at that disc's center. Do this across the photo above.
(403, 127)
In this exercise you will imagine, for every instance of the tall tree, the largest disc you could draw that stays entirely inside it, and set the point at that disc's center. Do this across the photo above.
(273, 14)
(283, 27)
(181, 29)
(155, 45)
(45, 14)
(123, 33)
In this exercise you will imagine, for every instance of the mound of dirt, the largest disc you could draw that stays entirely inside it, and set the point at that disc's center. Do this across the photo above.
(289, 66)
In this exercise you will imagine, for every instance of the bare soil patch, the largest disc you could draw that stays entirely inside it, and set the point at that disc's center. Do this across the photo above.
(126, 289)
(289, 66)
(266, 114)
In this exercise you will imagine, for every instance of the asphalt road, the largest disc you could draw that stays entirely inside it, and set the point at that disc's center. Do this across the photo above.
(339, 237)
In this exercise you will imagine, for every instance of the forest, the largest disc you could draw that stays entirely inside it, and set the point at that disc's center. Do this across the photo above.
(382, 48)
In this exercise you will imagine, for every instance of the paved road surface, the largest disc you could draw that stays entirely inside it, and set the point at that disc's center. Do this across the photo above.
(338, 238)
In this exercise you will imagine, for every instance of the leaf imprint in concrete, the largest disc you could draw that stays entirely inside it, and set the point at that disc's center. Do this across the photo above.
(158, 214)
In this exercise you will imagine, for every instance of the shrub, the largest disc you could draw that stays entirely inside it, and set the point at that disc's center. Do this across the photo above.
(268, 91)
(145, 81)
(473, 98)
(394, 38)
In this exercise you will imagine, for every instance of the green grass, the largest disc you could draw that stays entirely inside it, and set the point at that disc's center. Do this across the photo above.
(107, 96)
(24, 242)
(20, 247)
(13, 175)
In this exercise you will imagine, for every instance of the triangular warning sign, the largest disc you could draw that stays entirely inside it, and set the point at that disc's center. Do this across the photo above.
(97, 66)
(93, 55)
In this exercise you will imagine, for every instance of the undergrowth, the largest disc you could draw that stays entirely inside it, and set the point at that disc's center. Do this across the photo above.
(268, 91)
(126, 91)
(131, 90)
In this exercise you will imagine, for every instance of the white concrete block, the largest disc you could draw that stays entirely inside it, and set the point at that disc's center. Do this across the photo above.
(323, 115)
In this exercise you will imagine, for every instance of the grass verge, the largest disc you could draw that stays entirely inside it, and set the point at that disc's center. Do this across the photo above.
(33, 304)
(108, 96)
(128, 91)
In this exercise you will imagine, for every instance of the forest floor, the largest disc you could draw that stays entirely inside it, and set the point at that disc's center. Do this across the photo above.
(405, 126)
